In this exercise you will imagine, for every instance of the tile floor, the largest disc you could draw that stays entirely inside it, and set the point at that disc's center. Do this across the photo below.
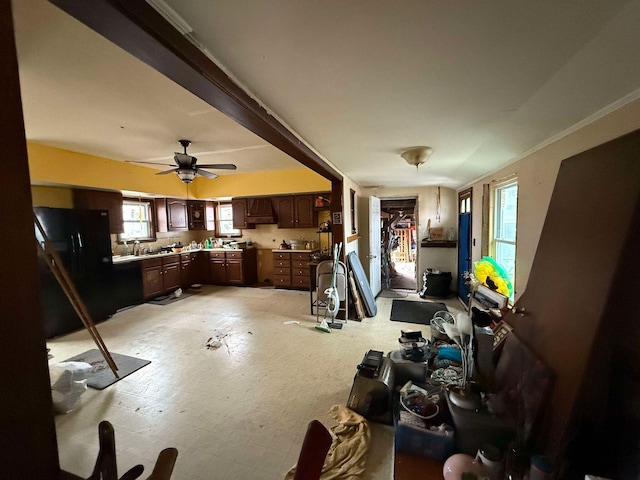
(239, 411)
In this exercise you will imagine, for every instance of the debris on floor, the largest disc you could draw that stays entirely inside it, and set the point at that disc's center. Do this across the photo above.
(291, 322)
(217, 341)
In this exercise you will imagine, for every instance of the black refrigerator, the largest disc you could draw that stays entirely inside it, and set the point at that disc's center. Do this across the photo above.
(81, 238)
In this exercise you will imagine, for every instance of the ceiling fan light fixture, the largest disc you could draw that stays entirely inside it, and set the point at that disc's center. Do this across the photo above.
(416, 156)
(186, 175)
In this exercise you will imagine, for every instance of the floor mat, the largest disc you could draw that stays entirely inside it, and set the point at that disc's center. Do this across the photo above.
(415, 312)
(392, 294)
(168, 299)
(101, 375)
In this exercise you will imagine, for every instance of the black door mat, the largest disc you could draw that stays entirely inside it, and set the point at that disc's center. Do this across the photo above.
(169, 299)
(101, 376)
(415, 312)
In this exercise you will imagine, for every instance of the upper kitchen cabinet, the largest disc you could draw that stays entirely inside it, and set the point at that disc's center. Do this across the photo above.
(296, 211)
(172, 215)
(239, 207)
(101, 200)
(197, 215)
(260, 210)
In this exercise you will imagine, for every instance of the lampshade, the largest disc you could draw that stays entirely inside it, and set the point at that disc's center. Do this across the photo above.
(186, 175)
(417, 155)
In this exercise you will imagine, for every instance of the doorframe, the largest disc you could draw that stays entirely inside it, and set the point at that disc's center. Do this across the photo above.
(416, 215)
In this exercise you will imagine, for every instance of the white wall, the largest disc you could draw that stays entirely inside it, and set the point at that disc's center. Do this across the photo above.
(444, 259)
(353, 246)
(536, 178)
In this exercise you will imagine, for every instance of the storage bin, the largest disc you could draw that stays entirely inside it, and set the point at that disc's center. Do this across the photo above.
(438, 445)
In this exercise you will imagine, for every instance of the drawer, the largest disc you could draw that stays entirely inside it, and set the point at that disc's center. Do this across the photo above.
(301, 256)
(281, 271)
(300, 272)
(297, 281)
(216, 255)
(168, 260)
(282, 280)
(236, 255)
(151, 262)
(300, 264)
(281, 256)
(282, 263)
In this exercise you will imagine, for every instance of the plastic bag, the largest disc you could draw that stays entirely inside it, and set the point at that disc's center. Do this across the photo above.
(68, 383)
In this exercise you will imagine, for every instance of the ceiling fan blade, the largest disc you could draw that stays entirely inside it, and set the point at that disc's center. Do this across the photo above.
(150, 163)
(219, 166)
(167, 171)
(184, 160)
(206, 174)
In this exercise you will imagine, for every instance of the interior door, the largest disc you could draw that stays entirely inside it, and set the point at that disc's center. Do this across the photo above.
(375, 265)
(464, 242)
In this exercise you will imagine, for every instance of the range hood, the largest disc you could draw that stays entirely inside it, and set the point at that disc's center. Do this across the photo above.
(260, 210)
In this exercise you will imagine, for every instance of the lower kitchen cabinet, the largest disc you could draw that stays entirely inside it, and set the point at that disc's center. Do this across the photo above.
(233, 267)
(192, 268)
(291, 269)
(160, 275)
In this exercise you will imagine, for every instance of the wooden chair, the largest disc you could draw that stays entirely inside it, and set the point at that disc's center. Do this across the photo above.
(314, 450)
(106, 466)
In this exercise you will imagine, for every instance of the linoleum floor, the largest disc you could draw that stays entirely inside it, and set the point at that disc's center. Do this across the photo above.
(236, 412)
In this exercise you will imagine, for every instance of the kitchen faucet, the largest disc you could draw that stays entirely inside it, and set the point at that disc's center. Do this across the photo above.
(126, 248)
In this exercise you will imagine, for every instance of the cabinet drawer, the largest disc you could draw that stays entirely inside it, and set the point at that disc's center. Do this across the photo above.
(301, 256)
(282, 280)
(236, 255)
(151, 262)
(281, 271)
(300, 272)
(281, 256)
(216, 255)
(300, 264)
(300, 281)
(282, 263)
(171, 259)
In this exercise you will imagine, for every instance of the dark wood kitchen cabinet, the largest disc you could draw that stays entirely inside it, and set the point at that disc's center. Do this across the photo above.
(191, 268)
(177, 216)
(233, 267)
(197, 215)
(160, 275)
(239, 208)
(152, 278)
(101, 200)
(296, 211)
(172, 215)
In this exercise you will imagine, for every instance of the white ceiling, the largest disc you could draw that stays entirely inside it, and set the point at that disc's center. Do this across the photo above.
(359, 81)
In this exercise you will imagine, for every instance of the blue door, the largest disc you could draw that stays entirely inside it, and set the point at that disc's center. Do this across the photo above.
(464, 254)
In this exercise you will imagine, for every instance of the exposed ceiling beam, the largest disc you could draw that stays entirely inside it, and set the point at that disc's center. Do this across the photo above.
(140, 30)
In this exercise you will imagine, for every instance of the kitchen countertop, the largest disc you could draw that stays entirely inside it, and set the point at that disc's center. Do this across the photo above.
(135, 258)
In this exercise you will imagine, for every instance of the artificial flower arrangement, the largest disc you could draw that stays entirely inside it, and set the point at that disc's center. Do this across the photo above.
(487, 272)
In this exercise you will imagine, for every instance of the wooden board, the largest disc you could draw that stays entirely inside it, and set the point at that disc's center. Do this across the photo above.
(363, 284)
(357, 302)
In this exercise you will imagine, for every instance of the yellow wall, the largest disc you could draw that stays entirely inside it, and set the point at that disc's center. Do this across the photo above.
(51, 197)
(55, 166)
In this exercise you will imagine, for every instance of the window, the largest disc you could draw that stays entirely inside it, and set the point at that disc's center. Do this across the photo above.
(504, 226)
(225, 221)
(137, 218)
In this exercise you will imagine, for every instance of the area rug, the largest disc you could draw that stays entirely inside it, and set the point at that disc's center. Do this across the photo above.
(101, 376)
(168, 299)
(392, 294)
(415, 312)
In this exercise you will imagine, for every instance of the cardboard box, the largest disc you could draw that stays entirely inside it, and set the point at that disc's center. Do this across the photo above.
(436, 233)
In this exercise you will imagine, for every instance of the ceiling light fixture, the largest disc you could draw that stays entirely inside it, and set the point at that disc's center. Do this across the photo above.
(417, 155)
(186, 175)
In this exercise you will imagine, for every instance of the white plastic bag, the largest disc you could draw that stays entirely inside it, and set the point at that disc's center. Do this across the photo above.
(68, 383)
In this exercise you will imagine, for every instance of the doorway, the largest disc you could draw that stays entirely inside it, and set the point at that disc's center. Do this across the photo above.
(464, 243)
(399, 245)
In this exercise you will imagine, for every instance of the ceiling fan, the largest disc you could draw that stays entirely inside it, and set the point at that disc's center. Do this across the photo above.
(187, 168)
